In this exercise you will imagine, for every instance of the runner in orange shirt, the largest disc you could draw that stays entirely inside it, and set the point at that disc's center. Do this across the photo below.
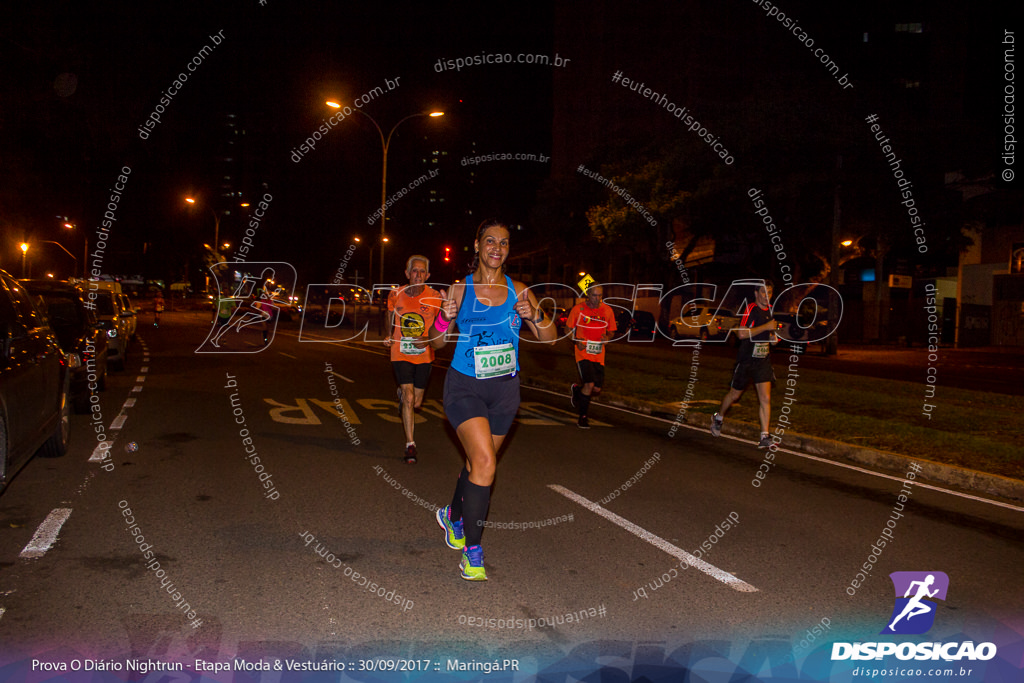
(593, 323)
(411, 311)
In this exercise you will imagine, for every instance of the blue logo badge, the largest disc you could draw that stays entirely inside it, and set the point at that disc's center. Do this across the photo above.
(913, 612)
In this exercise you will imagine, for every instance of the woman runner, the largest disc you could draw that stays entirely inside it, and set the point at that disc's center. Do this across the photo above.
(481, 389)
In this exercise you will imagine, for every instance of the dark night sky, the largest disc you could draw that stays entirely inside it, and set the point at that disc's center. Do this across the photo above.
(61, 150)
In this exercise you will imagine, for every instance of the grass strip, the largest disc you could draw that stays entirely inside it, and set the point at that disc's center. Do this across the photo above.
(973, 429)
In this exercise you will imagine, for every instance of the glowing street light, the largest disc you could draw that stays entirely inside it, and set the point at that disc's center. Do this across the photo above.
(385, 145)
(68, 225)
(216, 227)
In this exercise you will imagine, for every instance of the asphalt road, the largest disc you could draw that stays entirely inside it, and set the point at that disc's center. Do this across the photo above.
(780, 557)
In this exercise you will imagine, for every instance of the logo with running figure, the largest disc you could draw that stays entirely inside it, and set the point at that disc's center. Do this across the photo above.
(913, 612)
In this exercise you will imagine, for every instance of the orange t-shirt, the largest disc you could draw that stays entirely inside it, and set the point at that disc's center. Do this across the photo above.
(414, 316)
(590, 325)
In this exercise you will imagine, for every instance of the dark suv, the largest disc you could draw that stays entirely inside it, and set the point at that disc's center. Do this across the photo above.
(79, 332)
(35, 411)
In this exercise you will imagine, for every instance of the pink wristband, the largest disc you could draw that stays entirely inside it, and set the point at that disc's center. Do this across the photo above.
(441, 324)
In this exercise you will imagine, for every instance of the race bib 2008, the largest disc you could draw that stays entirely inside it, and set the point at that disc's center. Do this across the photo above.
(494, 361)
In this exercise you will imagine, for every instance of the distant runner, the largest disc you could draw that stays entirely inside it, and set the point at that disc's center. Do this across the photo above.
(757, 333)
(593, 323)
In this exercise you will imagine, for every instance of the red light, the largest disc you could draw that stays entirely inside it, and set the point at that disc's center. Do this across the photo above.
(447, 254)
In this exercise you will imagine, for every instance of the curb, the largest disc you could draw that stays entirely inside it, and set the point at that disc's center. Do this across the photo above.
(894, 463)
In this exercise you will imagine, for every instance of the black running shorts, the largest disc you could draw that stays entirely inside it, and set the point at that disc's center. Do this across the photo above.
(591, 371)
(497, 399)
(755, 370)
(415, 374)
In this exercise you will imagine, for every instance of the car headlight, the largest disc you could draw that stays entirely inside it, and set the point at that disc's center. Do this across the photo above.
(112, 333)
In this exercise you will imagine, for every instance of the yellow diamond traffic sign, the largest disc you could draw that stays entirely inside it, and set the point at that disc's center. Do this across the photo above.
(585, 283)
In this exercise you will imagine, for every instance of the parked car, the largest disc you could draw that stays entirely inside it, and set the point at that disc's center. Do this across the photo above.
(78, 331)
(35, 383)
(114, 322)
(643, 326)
(130, 313)
(809, 324)
(694, 321)
(639, 324)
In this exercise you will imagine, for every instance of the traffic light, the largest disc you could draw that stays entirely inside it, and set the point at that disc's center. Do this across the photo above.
(447, 254)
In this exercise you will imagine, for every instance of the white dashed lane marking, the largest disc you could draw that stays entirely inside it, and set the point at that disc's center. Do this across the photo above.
(46, 534)
(99, 453)
(658, 542)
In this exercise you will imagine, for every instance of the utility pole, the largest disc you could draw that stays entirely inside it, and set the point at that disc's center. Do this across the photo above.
(832, 342)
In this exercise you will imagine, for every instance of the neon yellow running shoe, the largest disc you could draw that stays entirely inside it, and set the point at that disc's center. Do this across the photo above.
(454, 538)
(473, 563)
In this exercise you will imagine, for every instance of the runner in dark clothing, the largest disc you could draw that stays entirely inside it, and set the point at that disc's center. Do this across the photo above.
(757, 333)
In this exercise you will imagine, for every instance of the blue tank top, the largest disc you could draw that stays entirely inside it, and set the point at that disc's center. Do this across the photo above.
(483, 326)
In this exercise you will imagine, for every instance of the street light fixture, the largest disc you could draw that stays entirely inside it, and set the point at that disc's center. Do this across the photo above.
(85, 249)
(24, 251)
(59, 245)
(385, 145)
(216, 228)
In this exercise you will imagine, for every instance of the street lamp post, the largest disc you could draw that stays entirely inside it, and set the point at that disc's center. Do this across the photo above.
(24, 253)
(385, 143)
(216, 228)
(369, 268)
(62, 247)
(85, 249)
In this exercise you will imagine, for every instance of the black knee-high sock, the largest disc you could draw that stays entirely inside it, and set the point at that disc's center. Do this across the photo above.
(475, 501)
(455, 511)
(583, 404)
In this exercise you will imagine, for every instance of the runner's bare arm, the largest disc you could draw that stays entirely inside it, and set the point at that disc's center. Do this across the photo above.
(450, 303)
(533, 315)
